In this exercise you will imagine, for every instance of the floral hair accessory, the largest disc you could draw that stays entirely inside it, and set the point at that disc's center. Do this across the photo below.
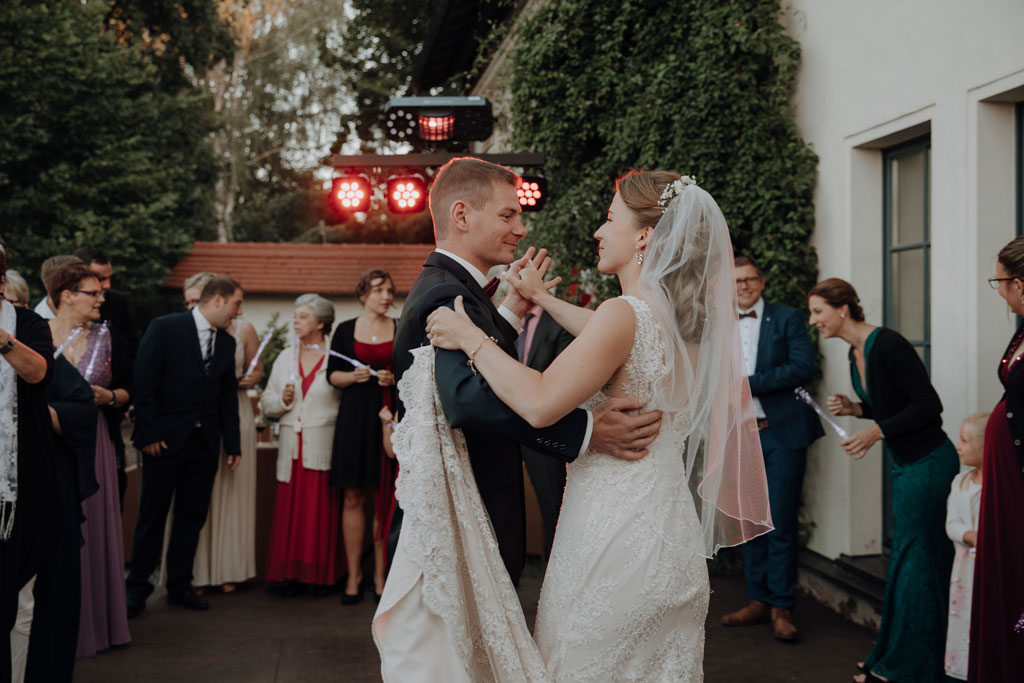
(675, 188)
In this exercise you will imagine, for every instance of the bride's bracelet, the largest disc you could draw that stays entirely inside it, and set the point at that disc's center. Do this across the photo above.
(472, 354)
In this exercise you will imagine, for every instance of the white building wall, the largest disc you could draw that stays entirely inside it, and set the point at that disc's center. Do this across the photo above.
(876, 73)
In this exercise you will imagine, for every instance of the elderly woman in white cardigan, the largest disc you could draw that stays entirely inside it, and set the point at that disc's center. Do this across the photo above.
(304, 548)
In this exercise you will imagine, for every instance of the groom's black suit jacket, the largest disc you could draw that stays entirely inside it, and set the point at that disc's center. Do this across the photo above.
(493, 431)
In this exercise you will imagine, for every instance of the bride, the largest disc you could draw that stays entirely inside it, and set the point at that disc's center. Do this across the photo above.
(626, 591)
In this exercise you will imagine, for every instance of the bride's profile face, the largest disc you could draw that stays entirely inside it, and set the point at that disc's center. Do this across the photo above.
(618, 238)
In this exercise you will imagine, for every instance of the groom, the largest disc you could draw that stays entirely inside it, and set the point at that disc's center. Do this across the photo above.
(475, 211)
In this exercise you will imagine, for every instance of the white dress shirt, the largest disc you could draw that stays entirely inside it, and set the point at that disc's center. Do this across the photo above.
(515, 322)
(205, 330)
(750, 334)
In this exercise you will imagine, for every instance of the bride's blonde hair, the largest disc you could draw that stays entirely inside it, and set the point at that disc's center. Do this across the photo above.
(686, 286)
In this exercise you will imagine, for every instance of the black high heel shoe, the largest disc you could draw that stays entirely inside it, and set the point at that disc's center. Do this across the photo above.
(348, 600)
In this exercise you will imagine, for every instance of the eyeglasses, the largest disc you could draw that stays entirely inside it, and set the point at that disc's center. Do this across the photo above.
(94, 293)
(993, 282)
(747, 281)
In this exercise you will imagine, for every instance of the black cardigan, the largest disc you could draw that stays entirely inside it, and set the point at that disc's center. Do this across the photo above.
(903, 401)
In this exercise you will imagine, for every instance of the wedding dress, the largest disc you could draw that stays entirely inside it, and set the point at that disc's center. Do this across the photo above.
(626, 591)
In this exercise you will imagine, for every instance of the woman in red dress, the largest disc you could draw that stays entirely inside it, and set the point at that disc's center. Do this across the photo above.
(997, 616)
(359, 463)
(305, 530)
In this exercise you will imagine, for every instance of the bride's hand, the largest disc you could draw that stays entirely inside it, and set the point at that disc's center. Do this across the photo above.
(528, 279)
(448, 329)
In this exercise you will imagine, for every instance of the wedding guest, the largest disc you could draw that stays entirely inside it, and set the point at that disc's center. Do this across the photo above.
(997, 608)
(186, 403)
(98, 352)
(358, 462)
(58, 586)
(540, 342)
(304, 534)
(115, 308)
(45, 307)
(226, 554)
(16, 289)
(895, 392)
(193, 288)
(962, 508)
(778, 357)
(27, 496)
(115, 312)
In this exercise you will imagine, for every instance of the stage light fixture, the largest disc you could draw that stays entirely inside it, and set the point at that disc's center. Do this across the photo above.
(406, 194)
(533, 192)
(438, 119)
(351, 193)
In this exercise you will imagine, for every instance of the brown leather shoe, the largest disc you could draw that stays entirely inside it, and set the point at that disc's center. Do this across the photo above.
(782, 624)
(752, 612)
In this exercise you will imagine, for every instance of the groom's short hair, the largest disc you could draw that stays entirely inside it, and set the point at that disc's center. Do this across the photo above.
(467, 179)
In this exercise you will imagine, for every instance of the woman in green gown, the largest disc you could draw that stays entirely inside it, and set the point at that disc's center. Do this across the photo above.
(896, 393)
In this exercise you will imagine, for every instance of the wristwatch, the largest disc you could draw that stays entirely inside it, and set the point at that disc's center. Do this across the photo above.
(113, 399)
(7, 347)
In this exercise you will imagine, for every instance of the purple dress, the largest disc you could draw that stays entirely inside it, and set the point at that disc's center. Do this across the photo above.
(104, 619)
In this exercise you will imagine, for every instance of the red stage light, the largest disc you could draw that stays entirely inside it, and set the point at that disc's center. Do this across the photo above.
(436, 126)
(406, 194)
(532, 192)
(351, 193)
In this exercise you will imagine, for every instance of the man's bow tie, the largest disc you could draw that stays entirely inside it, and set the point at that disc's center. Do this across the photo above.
(748, 314)
(491, 287)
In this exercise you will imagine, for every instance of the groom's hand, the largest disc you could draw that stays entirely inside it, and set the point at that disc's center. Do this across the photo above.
(624, 436)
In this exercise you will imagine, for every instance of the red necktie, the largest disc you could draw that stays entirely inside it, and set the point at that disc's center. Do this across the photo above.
(491, 287)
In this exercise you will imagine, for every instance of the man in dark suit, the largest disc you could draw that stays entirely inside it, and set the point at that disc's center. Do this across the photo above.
(186, 402)
(779, 358)
(476, 211)
(539, 344)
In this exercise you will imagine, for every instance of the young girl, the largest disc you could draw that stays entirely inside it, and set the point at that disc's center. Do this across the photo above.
(387, 423)
(962, 528)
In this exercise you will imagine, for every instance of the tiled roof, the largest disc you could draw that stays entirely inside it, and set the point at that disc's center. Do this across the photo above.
(288, 268)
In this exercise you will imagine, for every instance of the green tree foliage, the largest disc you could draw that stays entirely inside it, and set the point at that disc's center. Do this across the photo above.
(697, 86)
(182, 36)
(94, 150)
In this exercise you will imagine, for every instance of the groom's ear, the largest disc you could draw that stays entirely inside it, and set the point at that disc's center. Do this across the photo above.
(458, 216)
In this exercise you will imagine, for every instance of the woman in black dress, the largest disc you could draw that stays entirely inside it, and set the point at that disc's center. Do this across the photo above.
(358, 462)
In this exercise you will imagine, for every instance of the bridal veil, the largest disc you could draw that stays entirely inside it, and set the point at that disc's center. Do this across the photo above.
(687, 279)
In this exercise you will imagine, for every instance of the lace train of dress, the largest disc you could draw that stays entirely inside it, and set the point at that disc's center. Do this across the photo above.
(449, 611)
(626, 591)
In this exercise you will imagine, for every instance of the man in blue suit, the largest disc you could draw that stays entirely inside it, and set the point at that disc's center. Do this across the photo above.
(778, 355)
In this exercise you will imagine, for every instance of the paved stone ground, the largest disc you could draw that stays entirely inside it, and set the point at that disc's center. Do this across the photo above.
(253, 636)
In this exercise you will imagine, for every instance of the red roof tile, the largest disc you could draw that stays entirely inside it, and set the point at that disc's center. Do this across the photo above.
(289, 268)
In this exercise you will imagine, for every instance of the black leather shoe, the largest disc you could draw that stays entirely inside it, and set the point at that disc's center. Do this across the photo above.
(135, 606)
(187, 598)
(347, 599)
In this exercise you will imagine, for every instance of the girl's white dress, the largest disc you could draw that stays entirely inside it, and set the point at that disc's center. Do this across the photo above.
(962, 510)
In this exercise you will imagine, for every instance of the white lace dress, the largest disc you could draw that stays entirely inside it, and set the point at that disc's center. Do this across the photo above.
(626, 591)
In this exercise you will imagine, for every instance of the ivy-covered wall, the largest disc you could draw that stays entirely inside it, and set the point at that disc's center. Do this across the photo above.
(697, 86)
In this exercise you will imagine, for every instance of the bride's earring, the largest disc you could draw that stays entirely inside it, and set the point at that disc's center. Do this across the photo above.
(843, 316)
(640, 262)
